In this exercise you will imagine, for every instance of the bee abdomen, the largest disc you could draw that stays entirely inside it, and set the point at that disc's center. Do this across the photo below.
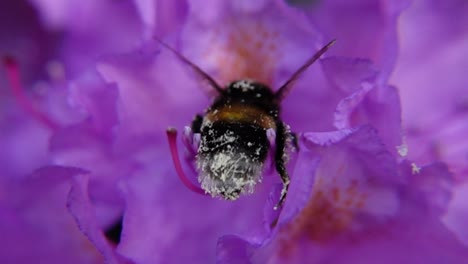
(228, 174)
(230, 158)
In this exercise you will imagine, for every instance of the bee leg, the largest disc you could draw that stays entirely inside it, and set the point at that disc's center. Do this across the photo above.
(196, 130)
(191, 135)
(294, 140)
(197, 123)
(191, 141)
(280, 160)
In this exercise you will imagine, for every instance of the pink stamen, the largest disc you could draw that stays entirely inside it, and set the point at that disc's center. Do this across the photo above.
(172, 139)
(17, 89)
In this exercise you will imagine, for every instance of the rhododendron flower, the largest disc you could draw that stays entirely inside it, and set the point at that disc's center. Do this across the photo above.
(435, 116)
(103, 159)
(435, 109)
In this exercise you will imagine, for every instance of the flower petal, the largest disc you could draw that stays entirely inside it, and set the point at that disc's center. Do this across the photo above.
(366, 101)
(364, 29)
(432, 82)
(80, 207)
(162, 16)
(233, 250)
(119, 30)
(267, 39)
(35, 222)
(457, 213)
(143, 80)
(97, 100)
(364, 208)
(162, 217)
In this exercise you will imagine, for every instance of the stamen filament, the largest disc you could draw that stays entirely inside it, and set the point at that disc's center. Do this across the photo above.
(14, 79)
(172, 140)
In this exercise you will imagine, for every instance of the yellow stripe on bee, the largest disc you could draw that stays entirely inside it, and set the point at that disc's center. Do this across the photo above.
(242, 114)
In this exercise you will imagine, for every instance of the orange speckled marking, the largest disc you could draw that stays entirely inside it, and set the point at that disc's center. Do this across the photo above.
(330, 212)
(242, 114)
(249, 51)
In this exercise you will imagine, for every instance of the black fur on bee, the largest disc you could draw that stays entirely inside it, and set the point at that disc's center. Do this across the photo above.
(234, 142)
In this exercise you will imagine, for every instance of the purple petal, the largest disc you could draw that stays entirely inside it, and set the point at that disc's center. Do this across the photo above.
(457, 213)
(162, 217)
(142, 80)
(234, 250)
(23, 141)
(26, 40)
(432, 82)
(348, 105)
(97, 100)
(349, 74)
(368, 102)
(432, 186)
(35, 222)
(364, 29)
(356, 174)
(119, 30)
(80, 207)
(381, 109)
(302, 180)
(162, 16)
(247, 44)
(327, 138)
(362, 207)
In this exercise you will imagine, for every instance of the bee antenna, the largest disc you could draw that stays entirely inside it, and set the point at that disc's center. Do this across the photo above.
(197, 69)
(286, 87)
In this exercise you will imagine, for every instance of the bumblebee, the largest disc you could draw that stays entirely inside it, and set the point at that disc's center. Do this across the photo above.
(233, 138)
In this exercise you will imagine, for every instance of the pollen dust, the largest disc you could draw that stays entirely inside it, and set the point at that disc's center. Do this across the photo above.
(246, 49)
(329, 213)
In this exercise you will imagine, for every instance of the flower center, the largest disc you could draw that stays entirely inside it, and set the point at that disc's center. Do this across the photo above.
(248, 51)
(329, 212)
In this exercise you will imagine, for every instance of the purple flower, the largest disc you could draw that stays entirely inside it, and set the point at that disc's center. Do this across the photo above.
(435, 109)
(107, 166)
(90, 29)
(35, 223)
(357, 205)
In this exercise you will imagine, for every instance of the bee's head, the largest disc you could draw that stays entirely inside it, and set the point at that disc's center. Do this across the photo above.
(249, 91)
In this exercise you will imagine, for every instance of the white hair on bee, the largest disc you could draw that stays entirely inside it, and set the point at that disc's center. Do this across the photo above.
(228, 173)
(245, 85)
